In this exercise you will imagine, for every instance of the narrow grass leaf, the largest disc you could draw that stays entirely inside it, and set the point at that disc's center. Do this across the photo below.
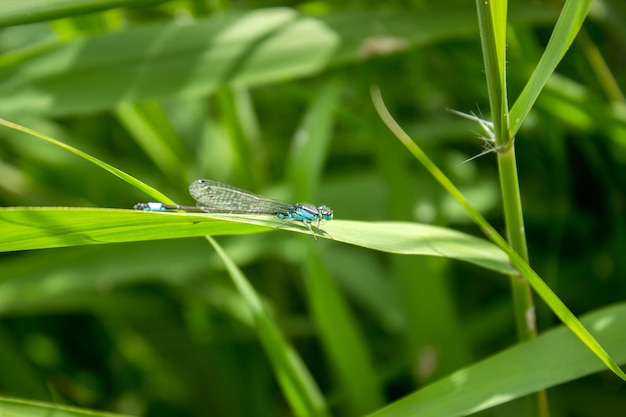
(11, 407)
(110, 168)
(566, 29)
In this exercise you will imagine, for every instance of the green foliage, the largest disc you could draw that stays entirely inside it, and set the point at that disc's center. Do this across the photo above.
(107, 308)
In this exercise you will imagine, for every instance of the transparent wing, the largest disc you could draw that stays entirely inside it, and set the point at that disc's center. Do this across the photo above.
(217, 197)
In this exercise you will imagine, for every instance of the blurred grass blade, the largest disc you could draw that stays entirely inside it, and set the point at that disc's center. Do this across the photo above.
(310, 144)
(294, 378)
(239, 122)
(11, 407)
(150, 127)
(567, 27)
(16, 12)
(244, 49)
(345, 345)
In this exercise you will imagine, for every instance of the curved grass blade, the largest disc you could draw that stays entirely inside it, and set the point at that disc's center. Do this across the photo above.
(152, 192)
(540, 287)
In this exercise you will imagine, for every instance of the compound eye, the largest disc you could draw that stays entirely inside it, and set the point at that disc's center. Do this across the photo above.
(326, 212)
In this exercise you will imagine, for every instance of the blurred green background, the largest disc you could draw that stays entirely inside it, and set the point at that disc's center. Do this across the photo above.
(274, 97)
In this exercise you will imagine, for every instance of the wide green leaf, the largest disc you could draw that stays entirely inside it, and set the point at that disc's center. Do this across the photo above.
(553, 358)
(50, 227)
(193, 59)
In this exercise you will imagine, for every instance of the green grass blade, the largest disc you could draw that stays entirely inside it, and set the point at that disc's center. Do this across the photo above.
(11, 407)
(152, 192)
(51, 227)
(16, 12)
(563, 313)
(566, 29)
